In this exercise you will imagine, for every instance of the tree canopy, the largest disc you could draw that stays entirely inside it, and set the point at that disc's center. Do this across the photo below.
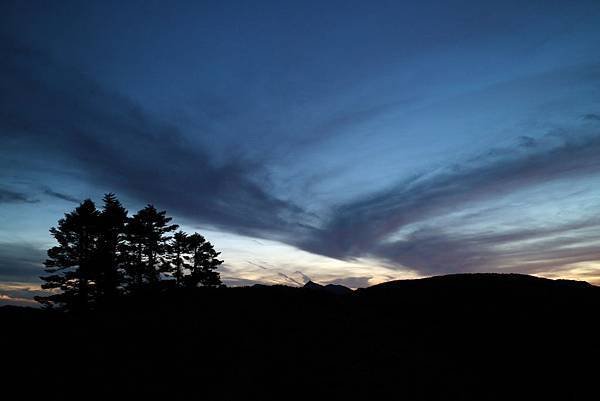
(105, 253)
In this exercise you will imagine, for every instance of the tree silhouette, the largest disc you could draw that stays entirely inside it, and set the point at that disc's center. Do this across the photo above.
(204, 263)
(179, 261)
(112, 252)
(149, 242)
(193, 261)
(103, 254)
(72, 264)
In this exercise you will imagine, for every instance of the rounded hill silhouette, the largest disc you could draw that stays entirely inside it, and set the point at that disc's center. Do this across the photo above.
(457, 337)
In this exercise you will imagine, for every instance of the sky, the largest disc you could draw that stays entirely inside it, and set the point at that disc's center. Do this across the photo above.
(339, 141)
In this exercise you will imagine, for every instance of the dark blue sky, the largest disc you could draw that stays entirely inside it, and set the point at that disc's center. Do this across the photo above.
(343, 141)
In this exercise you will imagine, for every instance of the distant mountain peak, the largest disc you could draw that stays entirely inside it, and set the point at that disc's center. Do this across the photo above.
(313, 286)
(333, 288)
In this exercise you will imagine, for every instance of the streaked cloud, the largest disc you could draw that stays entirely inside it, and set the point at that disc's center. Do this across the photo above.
(20, 261)
(61, 196)
(66, 118)
(364, 227)
(9, 196)
(403, 140)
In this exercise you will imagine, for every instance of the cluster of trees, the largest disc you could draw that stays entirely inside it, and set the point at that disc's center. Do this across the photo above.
(104, 253)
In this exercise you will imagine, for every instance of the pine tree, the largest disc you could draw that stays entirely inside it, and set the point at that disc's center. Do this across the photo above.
(180, 259)
(112, 250)
(148, 243)
(204, 263)
(98, 249)
(134, 267)
(72, 264)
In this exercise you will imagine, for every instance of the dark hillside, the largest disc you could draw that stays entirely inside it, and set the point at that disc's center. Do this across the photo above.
(462, 337)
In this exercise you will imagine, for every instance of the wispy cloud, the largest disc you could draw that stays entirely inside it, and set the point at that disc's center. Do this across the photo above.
(21, 294)
(289, 279)
(366, 226)
(21, 261)
(60, 115)
(62, 196)
(10, 196)
(53, 112)
(435, 250)
(591, 117)
(305, 278)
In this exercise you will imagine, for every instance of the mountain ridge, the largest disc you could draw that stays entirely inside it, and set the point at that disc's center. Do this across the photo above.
(468, 337)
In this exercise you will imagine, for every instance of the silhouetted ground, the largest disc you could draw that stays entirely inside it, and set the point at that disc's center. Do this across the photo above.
(462, 337)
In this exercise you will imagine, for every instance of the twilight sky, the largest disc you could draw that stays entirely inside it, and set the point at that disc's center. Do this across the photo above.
(349, 142)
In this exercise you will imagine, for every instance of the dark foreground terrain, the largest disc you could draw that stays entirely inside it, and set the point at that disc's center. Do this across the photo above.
(463, 337)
